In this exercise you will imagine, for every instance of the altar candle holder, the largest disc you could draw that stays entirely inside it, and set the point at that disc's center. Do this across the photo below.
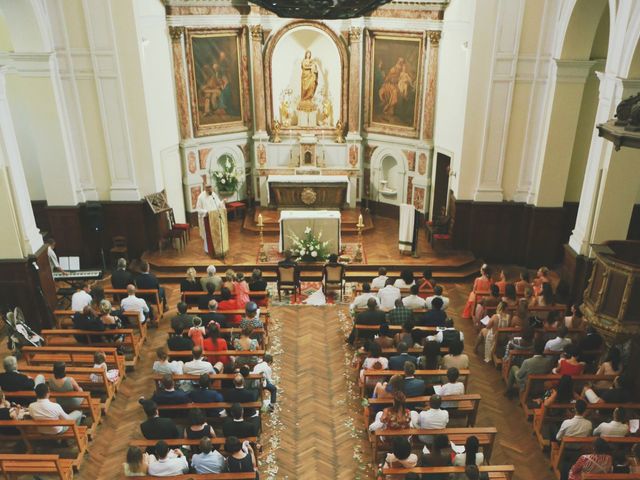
(262, 255)
(359, 226)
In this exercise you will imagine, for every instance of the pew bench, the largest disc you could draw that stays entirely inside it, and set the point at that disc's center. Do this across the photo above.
(494, 472)
(216, 378)
(178, 411)
(64, 338)
(385, 374)
(585, 443)
(207, 476)
(192, 298)
(611, 476)
(30, 464)
(217, 443)
(119, 293)
(545, 415)
(535, 383)
(185, 355)
(467, 406)
(264, 314)
(82, 375)
(390, 352)
(486, 437)
(64, 319)
(74, 356)
(373, 329)
(29, 433)
(90, 405)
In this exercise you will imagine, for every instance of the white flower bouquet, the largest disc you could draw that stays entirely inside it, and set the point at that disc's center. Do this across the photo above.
(309, 248)
(227, 179)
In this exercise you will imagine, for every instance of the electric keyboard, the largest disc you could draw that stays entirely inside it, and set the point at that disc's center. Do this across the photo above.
(78, 275)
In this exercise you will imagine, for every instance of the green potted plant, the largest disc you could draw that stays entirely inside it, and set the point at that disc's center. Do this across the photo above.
(227, 179)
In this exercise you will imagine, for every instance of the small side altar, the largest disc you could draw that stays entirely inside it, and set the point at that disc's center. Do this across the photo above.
(308, 191)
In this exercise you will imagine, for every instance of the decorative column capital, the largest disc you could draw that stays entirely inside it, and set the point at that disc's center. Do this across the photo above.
(256, 32)
(434, 37)
(354, 34)
(176, 33)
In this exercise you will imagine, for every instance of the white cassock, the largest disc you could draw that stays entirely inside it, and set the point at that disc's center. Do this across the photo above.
(204, 205)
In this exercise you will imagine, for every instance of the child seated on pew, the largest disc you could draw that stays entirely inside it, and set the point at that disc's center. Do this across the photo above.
(196, 333)
(100, 361)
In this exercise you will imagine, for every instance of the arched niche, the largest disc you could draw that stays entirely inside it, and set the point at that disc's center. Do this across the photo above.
(215, 162)
(388, 175)
(284, 53)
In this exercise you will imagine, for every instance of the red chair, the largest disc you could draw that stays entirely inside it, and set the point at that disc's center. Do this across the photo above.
(183, 228)
(236, 207)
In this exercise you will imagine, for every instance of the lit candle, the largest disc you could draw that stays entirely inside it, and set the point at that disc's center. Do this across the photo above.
(360, 221)
(260, 224)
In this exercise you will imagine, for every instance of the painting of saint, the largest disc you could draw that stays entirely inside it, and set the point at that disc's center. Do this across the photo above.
(217, 96)
(394, 87)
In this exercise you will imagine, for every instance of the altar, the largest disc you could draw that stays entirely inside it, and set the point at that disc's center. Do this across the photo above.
(326, 222)
(308, 191)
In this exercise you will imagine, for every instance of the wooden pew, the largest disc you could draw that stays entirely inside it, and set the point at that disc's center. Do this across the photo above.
(359, 329)
(66, 338)
(177, 411)
(522, 355)
(89, 404)
(29, 432)
(495, 472)
(64, 319)
(191, 298)
(544, 415)
(464, 374)
(467, 406)
(217, 442)
(264, 313)
(73, 356)
(82, 375)
(117, 294)
(207, 476)
(390, 352)
(216, 378)
(557, 452)
(486, 437)
(544, 311)
(30, 464)
(532, 380)
(186, 354)
(611, 476)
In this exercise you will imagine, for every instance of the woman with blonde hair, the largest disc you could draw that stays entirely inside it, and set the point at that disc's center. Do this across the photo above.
(191, 283)
(229, 280)
(105, 314)
(501, 319)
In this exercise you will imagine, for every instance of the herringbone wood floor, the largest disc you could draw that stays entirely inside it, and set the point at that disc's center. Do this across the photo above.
(318, 427)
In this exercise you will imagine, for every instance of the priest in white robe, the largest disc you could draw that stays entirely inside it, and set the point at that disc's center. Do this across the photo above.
(212, 222)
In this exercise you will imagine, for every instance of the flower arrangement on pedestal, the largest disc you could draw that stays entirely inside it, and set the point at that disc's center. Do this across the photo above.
(309, 248)
(227, 179)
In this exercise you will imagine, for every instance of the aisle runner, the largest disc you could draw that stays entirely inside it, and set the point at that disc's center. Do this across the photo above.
(307, 289)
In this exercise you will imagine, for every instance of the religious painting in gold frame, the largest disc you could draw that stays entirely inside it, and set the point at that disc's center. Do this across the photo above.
(217, 65)
(394, 71)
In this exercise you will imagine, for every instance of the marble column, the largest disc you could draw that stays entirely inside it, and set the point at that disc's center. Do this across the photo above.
(355, 80)
(20, 236)
(257, 75)
(609, 188)
(182, 98)
(428, 111)
(550, 179)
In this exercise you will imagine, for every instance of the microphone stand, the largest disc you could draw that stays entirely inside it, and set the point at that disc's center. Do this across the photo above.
(221, 232)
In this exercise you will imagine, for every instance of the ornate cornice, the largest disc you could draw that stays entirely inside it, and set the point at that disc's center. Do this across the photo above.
(434, 37)
(256, 32)
(354, 34)
(176, 33)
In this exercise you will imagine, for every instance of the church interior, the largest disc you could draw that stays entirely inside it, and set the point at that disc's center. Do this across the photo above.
(313, 239)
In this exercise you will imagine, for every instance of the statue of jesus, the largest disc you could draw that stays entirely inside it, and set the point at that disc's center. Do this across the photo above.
(308, 82)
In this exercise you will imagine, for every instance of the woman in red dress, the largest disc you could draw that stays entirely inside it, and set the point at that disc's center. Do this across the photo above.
(228, 302)
(480, 284)
(213, 343)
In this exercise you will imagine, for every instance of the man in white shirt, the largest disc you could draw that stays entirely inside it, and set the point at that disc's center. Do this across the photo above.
(578, 426)
(615, 428)
(208, 460)
(453, 387)
(557, 344)
(263, 367)
(413, 301)
(198, 365)
(433, 418)
(45, 409)
(437, 292)
(449, 333)
(81, 298)
(388, 295)
(381, 280)
(211, 278)
(53, 258)
(167, 463)
(135, 304)
(361, 300)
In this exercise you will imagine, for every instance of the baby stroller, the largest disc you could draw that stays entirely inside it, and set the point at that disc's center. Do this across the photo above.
(20, 334)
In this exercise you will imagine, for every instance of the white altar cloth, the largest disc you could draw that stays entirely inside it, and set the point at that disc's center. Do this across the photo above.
(326, 221)
(307, 179)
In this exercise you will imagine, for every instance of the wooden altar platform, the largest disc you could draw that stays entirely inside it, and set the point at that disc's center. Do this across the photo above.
(380, 244)
(270, 217)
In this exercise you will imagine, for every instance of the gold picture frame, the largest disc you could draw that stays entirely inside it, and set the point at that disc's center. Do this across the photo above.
(393, 82)
(217, 66)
